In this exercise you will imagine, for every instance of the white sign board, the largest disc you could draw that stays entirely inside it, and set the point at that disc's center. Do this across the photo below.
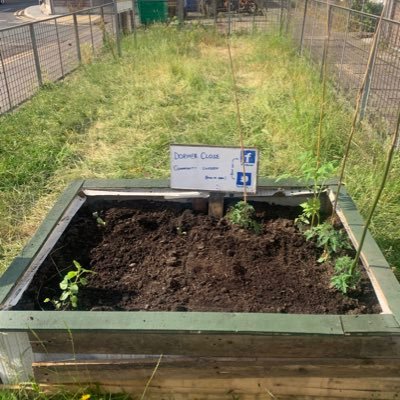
(214, 168)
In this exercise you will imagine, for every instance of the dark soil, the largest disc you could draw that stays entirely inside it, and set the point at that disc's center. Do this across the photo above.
(157, 256)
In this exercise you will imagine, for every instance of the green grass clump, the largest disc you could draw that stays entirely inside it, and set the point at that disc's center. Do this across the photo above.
(116, 119)
(33, 392)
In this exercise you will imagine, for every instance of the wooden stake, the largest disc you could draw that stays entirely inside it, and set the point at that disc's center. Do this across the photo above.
(216, 205)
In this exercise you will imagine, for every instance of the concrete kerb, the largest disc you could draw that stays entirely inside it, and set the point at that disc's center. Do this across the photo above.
(36, 13)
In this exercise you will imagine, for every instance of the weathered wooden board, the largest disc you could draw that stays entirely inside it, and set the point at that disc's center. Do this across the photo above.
(120, 371)
(177, 386)
(222, 345)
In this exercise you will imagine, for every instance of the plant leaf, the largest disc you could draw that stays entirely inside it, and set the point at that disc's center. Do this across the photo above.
(71, 274)
(83, 281)
(74, 301)
(74, 288)
(77, 265)
(64, 295)
(63, 285)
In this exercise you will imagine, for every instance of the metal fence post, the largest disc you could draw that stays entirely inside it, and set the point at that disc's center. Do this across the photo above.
(6, 81)
(303, 26)
(35, 54)
(344, 45)
(78, 45)
(181, 12)
(281, 19)
(52, 11)
(91, 33)
(215, 12)
(117, 30)
(229, 17)
(326, 43)
(134, 21)
(131, 16)
(368, 80)
(59, 48)
(288, 15)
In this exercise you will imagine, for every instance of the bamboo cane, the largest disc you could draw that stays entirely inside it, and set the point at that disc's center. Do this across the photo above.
(238, 119)
(378, 194)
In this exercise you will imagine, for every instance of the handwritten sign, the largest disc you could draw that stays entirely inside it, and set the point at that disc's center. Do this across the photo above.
(225, 169)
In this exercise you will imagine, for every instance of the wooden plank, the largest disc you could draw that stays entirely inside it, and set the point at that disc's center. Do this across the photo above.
(385, 283)
(164, 183)
(218, 345)
(125, 183)
(18, 267)
(120, 371)
(257, 388)
(366, 325)
(196, 322)
(23, 282)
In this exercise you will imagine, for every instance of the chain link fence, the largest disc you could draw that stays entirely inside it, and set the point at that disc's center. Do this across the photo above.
(35, 53)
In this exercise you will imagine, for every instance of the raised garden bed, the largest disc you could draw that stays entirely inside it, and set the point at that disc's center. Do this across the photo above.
(226, 308)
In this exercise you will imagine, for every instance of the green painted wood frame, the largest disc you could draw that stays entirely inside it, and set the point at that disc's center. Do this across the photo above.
(200, 322)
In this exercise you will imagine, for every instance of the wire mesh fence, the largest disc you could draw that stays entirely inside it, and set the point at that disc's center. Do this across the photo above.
(235, 16)
(45, 51)
(345, 36)
(33, 54)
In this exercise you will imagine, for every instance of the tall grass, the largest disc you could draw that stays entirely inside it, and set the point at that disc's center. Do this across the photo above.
(116, 119)
(33, 392)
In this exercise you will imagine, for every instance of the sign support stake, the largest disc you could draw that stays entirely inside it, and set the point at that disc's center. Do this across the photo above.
(216, 204)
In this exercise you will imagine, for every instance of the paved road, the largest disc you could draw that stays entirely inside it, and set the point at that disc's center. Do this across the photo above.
(8, 10)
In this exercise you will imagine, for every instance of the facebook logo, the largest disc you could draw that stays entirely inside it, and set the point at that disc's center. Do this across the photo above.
(249, 157)
(242, 180)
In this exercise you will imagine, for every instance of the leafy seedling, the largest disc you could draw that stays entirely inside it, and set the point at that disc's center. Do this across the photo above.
(345, 277)
(328, 238)
(310, 212)
(70, 285)
(242, 214)
(314, 176)
(99, 220)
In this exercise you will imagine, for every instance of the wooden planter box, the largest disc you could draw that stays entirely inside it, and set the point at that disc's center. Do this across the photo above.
(205, 355)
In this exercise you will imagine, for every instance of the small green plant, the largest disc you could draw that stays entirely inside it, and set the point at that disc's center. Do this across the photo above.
(345, 276)
(314, 175)
(242, 214)
(310, 212)
(100, 221)
(70, 285)
(328, 238)
(180, 231)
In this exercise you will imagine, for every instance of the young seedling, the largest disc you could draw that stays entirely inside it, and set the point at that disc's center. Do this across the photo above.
(315, 176)
(100, 221)
(70, 285)
(242, 215)
(345, 276)
(328, 238)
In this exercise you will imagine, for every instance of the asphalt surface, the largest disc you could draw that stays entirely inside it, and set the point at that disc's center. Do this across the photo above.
(9, 11)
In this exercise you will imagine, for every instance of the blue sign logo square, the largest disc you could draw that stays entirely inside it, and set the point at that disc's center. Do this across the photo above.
(241, 180)
(249, 157)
